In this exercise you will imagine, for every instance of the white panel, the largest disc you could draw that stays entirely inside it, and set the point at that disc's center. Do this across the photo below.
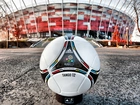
(51, 52)
(98, 14)
(110, 26)
(135, 35)
(44, 18)
(58, 6)
(66, 18)
(32, 17)
(53, 10)
(80, 17)
(87, 12)
(36, 14)
(58, 13)
(101, 27)
(18, 18)
(70, 0)
(108, 16)
(94, 14)
(86, 23)
(41, 2)
(82, 6)
(71, 85)
(94, 7)
(66, 12)
(87, 52)
(42, 7)
(53, 85)
(104, 18)
(73, 11)
(33, 24)
(69, 6)
(27, 21)
(52, 24)
(72, 20)
(93, 18)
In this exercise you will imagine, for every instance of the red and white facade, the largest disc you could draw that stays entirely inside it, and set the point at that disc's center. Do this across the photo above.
(67, 16)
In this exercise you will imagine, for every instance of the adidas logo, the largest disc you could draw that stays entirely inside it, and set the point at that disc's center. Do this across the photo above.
(69, 51)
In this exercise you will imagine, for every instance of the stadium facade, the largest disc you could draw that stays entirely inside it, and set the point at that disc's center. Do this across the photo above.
(50, 19)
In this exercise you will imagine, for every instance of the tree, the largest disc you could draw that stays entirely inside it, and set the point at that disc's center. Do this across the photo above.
(136, 6)
(16, 31)
(116, 35)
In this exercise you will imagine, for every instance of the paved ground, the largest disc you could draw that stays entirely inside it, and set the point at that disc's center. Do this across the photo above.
(118, 82)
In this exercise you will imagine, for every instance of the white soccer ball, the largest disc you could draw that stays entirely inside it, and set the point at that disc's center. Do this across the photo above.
(69, 65)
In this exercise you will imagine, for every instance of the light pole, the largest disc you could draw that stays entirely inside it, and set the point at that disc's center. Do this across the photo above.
(18, 33)
(127, 36)
(7, 44)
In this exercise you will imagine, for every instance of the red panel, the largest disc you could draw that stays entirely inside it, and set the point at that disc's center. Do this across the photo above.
(80, 21)
(42, 24)
(26, 17)
(73, 4)
(88, 7)
(66, 22)
(69, 25)
(86, 18)
(51, 7)
(25, 12)
(74, 17)
(94, 28)
(58, 23)
(32, 21)
(66, 9)
(94, 25)
(23, 31)
(55, 19)
(51, 13)
(52, 28)
(38, 19)
(42, 29)
(31, 13)
(96, 11)
(100, 7)
(58, 10)
(81, 13)
(98, 18)
(82, 27)
(66, 15)
(111, 29)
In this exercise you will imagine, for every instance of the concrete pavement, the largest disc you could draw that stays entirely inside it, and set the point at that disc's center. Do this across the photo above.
(118, 82)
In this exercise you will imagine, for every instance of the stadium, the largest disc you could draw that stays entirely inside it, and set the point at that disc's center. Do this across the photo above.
(48, 18)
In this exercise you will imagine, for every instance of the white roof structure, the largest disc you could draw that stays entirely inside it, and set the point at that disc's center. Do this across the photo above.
(8, 6)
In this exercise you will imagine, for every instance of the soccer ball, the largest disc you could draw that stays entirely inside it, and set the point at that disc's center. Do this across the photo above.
(70, 66)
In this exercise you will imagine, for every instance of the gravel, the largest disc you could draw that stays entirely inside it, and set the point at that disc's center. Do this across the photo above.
(117, 84)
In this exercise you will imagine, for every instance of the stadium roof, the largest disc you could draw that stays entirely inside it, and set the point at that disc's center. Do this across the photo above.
(8, 6)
